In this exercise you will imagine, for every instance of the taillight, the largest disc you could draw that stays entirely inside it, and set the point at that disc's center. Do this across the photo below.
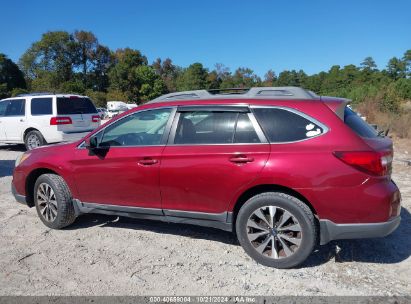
(60, 121)
(95, 118)
(370, 162)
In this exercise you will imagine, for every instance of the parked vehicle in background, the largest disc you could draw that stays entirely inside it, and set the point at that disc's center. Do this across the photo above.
(283, 168)
(44, 118)
(117, 107)
(103, 113)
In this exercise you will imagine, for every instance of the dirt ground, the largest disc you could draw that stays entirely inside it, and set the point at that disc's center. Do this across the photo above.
(107, 255)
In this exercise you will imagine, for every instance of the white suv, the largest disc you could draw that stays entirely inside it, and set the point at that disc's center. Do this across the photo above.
(39, 119)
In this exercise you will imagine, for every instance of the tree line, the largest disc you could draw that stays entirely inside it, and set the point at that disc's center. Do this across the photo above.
(63, 62)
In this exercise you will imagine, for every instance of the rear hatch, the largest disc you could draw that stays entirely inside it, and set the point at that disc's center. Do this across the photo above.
(76, 114)
(377, 160)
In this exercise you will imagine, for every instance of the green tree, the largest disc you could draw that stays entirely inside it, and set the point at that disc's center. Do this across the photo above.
(368, 64)
(149, 83)
(396, 68)
(122, 76)
(51, 58)
(86, 44)
(103, 60)
(193, 78)
(168, 72)
(11, 77)
(270, 78)
(245, 78)
(407, 60)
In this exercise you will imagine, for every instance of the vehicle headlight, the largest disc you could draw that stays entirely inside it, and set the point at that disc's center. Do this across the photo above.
(21, 159)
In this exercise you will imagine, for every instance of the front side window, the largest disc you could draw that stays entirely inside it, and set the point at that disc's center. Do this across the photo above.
(3, 107)
(281, 125)
(15, 107)
(41, 106)
(145, 128)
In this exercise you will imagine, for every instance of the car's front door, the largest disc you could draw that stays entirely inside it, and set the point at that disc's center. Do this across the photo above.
(3, 107)
(125, 171)
(14, 119)
(213, 153)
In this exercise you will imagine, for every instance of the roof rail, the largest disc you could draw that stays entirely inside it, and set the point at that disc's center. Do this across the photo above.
(35, 94)
(257, 92)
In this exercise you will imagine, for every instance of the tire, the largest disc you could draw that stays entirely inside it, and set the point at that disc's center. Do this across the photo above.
(294, 239)
(34, 139)
(60, 204)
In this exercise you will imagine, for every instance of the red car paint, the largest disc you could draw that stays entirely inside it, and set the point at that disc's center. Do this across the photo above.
(207, 178)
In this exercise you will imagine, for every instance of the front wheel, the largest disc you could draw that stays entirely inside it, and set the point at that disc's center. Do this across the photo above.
(276, 229)
(53, 201)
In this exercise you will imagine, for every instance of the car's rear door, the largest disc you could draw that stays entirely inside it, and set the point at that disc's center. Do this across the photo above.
(212, 153)
(125, 171)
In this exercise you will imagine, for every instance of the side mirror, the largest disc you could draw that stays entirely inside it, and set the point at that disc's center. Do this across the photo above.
(91, 142)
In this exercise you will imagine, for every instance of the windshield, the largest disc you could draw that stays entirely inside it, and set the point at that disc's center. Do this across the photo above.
(81, 105)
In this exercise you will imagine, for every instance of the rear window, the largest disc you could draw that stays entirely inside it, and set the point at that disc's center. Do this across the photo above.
(66, 106)
(281, 125)
(41, 106)
(358, 125)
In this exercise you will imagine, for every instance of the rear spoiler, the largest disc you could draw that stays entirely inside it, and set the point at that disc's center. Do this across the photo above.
(336, 104)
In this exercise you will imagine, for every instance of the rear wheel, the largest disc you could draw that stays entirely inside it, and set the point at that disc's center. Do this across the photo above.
(34, 139)
(276, 229)
(53, 201)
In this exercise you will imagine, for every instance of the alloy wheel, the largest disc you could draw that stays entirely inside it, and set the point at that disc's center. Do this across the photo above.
(47, 203)
(274, 232)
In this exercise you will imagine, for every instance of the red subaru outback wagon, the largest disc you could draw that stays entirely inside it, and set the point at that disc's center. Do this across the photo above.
(282, 167)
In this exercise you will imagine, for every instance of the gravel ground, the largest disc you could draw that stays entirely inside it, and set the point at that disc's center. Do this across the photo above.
(107, 255)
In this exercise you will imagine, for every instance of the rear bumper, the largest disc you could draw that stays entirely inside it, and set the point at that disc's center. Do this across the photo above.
(331, 231)
(19, 198)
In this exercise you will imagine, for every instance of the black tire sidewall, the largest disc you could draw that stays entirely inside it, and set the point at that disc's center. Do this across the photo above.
(60, 200)
(308, 230)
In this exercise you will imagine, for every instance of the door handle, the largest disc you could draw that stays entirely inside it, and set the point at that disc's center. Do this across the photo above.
(147, 161)
(241, 159)
(21, 120)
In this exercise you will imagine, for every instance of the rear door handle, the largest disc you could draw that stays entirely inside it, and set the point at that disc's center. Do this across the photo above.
(147, 161)
(241, 159)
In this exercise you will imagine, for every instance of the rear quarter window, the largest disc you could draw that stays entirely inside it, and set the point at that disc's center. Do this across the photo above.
(281, 125)
(77, 105)
(358, 125)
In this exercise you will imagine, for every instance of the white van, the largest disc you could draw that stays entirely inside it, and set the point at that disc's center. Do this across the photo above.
(40, 119)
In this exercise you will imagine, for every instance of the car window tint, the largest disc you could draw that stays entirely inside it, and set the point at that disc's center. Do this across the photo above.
(3, 107)
(358, 125)
(15, 107)
(75, 105)
(281, 125)
(245, 132)
(205, 127)
(144, 128)
(41, 106)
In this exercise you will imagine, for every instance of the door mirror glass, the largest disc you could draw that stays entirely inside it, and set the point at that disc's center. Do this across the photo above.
(91, 142)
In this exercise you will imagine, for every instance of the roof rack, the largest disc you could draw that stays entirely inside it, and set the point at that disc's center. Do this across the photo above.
(257, 92)
(35, 94)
